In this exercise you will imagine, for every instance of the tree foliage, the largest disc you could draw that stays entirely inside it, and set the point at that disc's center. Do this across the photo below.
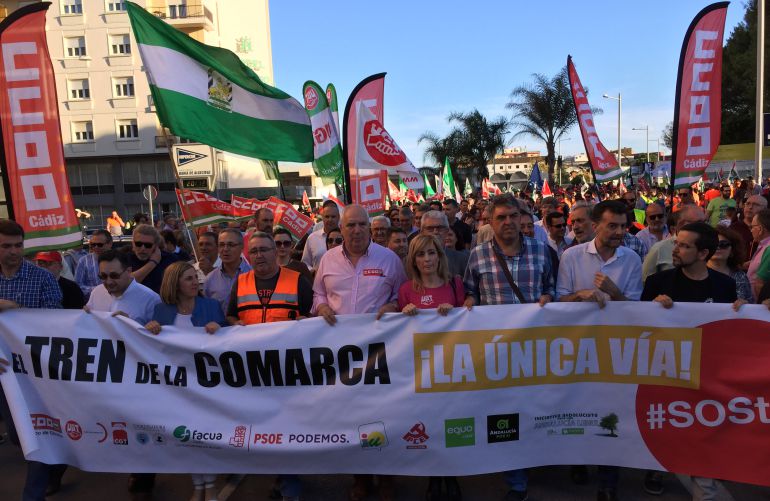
(470, 146)
(668, 135)
(610, 423)
(544, 109)
(739, 78)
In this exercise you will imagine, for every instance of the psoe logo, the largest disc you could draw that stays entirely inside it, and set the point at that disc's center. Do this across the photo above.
(460, 432)
(502, 428)
(416, 436)
(239, 437)
(184, 434)
(372, 435)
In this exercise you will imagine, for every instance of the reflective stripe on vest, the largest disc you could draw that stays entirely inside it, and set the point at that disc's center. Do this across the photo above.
(283, 304)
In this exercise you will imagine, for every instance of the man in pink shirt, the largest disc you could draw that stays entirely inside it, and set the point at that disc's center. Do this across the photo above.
(359, 276)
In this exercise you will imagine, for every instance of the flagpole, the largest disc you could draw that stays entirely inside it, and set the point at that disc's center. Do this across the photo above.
(194, 241)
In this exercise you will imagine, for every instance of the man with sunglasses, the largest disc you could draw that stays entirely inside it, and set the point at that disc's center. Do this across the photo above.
(556, 225)
(657, 229)
(87, 271)
(685, 198)
(148, 262)
(718, 205)
(24, 285)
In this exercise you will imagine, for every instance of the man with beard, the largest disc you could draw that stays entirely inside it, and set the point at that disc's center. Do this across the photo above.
(656, 230)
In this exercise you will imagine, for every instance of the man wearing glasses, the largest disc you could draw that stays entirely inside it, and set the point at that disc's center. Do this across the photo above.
(685, 198)
(120, 293)
(87, 271)
(146, 259)
(437, 224)
(751, 207)
(657, 229)
(219, 283)
(557, 229)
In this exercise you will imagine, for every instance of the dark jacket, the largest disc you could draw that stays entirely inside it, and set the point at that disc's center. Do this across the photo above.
(206, 310)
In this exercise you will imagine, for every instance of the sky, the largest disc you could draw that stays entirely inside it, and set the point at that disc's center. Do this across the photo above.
(447, 56)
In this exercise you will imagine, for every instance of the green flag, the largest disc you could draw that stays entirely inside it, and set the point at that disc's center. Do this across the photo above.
(448, 181)
(428, 191)
(467, 191)
(327, 162)
(639, 215)
(270, 168)
(207, 94)
(331, 97)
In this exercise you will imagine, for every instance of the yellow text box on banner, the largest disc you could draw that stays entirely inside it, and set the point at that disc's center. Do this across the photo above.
(485, 359)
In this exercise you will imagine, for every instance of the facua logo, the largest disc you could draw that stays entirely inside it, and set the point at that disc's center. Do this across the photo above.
(73, 430)
(119, 433)
(183, 434)
(502, 428)
(416, 437)
(460, 432)
(372, 435)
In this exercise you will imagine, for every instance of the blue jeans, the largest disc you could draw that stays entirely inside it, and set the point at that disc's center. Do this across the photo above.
(516, 479)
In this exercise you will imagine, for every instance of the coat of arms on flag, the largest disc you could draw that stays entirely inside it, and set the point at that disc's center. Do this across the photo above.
(220, 91)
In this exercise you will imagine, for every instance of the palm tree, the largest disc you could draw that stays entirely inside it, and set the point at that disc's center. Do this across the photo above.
(544, 109)
(470, 145)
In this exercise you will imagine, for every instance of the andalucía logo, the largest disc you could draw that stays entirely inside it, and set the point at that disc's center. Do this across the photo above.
(502, 428)
(184, 434)
(372, 435)
(416, 437)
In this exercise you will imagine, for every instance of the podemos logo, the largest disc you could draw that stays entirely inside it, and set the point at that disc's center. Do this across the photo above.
(184, 434)
(460, 432)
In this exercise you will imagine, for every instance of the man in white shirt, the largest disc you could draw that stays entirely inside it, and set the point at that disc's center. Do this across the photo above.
(315, 246)
(119, 293)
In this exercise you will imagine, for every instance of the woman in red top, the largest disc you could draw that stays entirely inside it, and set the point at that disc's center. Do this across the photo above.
(430, 286)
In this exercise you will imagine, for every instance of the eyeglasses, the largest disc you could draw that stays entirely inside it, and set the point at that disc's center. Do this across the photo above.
(96, 244)
(654, 217)
(146, 245)
(337, 240)
(228, 245)
(558, 226)
(724, 244)
(283, 243)
(114, 275)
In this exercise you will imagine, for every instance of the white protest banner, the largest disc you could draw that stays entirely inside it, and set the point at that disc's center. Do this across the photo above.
(496, 388)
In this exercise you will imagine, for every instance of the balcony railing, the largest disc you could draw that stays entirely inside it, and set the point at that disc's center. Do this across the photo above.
(182, 11)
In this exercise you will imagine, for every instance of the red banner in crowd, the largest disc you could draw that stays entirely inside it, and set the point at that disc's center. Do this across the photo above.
(200, 209)
(284, 213)
(370, 93)
(372, 190)
(698, 105)
(603, 163)
(29, 113)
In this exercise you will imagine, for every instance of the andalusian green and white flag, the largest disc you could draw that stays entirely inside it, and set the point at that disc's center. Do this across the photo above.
(467, 191)
(208, 95)
(428, 191)
(331, 98)
(327, 151)
(448, 181)
(270, 169)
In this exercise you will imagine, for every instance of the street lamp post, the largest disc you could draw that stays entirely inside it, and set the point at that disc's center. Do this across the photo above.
(646, 128)
(557, 163)
(619, 99)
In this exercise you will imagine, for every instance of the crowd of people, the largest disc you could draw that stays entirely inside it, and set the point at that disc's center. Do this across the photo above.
(624, 244)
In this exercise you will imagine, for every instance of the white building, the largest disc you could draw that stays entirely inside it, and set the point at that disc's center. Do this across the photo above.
(113, 142)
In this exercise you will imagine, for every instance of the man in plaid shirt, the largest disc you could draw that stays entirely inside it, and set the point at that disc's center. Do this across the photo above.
(527, 259)
(24, 285)
(486, 283)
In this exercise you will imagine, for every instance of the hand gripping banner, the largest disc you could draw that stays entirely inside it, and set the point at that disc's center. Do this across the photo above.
(604, 164)
(492, 389)
(33, 159)
(698, 104)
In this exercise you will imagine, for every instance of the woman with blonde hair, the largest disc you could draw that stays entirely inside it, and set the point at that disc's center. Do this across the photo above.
(182, 306)
(431, 286)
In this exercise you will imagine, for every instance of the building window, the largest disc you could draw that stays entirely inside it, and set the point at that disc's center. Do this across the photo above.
(75, 46)
(127, 129)
(124, 87)
(116, 6)
(72, 7)
(79, 89)
(82, 132)
(120, 45)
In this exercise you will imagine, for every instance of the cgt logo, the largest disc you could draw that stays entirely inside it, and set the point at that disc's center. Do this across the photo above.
(460, 432)
(184, 434)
